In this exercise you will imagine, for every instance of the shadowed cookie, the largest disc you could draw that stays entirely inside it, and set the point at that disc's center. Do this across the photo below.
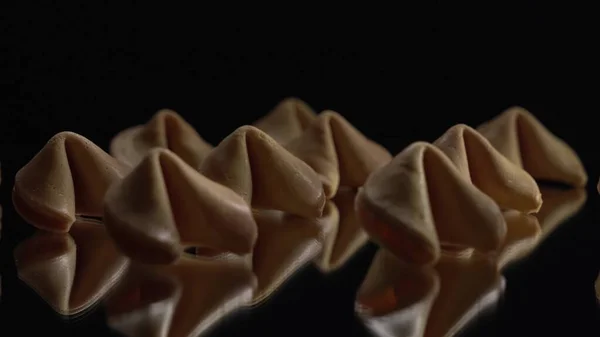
(338, 152)
(164, 205)
(287, 120)
(73, 271)
(559, 206)
(420, 200)
(520, 137)
(478, 161)
(68, 177)
(346, 236)
(166, 130)
(265, 174)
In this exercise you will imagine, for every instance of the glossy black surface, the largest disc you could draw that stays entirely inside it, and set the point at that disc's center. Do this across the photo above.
(101, 78)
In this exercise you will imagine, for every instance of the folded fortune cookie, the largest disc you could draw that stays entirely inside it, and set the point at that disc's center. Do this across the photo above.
(509, 185)
(265, 174)
(420, 200)
(338, 152)
(166, 130)
(164, 205)
(520, 137)
(287, 120)
(68, 177)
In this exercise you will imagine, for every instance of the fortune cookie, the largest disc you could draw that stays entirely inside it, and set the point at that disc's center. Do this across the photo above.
(166, 130)
(68, 177)
(477, 160)
(421, 200)
(338, 152)
(287, 120)
(265, 174)
(164, 205)
(520, 137)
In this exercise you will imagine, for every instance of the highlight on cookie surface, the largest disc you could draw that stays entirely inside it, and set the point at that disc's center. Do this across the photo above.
(164, 205)
(507, 184)
(525, 141)
(420, 201)
(265, 174)
(339, 153)
(66, 178)
(166, 129)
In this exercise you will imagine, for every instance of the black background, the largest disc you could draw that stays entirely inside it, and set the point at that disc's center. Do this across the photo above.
(402, 78)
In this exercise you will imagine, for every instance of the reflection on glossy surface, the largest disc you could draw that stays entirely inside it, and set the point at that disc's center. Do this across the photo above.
(523, 233)
(397, 300)
(559, 205)
(346, 236)
(285, 244)
(188, 297)
(467, 287)
(70, 271)
(179, 300)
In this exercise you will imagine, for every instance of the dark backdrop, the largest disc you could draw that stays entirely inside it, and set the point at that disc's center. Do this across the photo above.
(96, 71)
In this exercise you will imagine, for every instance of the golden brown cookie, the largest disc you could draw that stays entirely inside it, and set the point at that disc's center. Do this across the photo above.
(477, 160)
(166, 129)
(67, 178)
(420, 200)
(338, 152)
(287, 120)
(265, 174)
(164, 205)
(521, 138)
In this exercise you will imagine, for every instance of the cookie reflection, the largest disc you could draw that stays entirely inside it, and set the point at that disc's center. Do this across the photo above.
(523, 234)
(559, 205)
(70, 271)
(400, 300)
(285, 244)
(182, 299)
(345, 236)
(468, 286)
(395, 299)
